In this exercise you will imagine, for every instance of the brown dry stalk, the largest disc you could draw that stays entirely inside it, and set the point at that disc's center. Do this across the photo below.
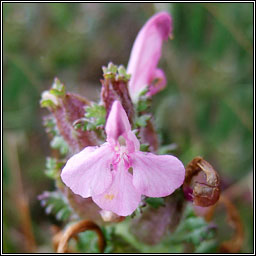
(204, 193)
(57, 235)
(235, 244)
(73, 230)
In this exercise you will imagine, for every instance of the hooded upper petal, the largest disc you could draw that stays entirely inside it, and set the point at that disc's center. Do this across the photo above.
(156, 175)
(118, 125)
(121, 197)
(89, 171)
(158, 82)
(146, 52)
(117, 122)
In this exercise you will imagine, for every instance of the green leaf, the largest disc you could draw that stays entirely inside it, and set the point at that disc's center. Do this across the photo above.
(116, 243)
(143, 92)
(58, 89)
(53, 168)
(78, 125)
(94, 118)
(194, 230)
(112, 68)
(155, 202)
(142, 120)
(144, 147)
(47, 103)
(55, 203)
(110, 71)
(89, 126)
(194, 223)
(122, 75)
(115, 72)
(142, 105)
(50, 125)
(167, 149)
(88, 242)
(209, 246)
(59, 143)
(96, 115)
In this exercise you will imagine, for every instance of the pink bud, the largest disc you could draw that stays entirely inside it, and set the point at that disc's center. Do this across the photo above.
(146, 53)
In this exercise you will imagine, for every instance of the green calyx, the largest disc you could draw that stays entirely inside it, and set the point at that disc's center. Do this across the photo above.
(115, 72)
(50, 98)
(94, 118)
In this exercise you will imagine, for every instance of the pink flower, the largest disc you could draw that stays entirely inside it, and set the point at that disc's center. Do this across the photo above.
(145, 55)
(116, 174)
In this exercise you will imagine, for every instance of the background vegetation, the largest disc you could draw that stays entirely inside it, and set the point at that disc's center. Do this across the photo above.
(206, 109)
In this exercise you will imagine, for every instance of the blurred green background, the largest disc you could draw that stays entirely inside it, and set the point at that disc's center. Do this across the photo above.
(206, 108)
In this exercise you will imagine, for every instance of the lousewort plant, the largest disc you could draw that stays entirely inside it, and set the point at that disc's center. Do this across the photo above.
(110, 179)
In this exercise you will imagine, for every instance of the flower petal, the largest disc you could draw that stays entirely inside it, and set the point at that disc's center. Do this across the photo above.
(146, 52)
(117, 122)
(118, 125)
(158, 82)
(88, 172)
(132, 143)
(156, 175)
(121, 197)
